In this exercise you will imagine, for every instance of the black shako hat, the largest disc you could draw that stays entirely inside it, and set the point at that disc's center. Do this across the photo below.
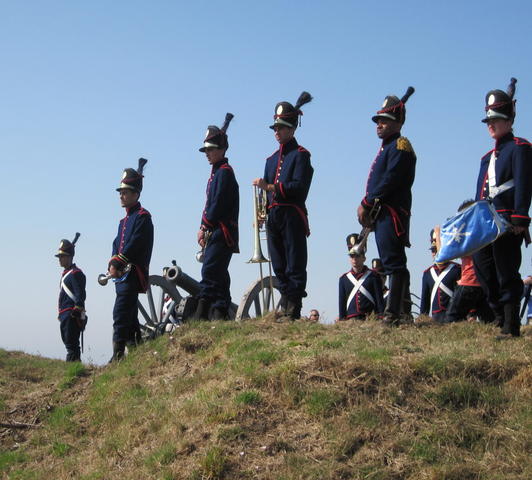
(66, 247)
(217, 137)
(351, 240)
(132, 179)
(393, 108)
(288, 115)
(501, 104)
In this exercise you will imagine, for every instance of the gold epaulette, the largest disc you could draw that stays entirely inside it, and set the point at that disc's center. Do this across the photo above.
(404, 144)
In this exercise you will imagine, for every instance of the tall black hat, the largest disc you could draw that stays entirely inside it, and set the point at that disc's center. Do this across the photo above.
(288, 115)
(217, 137)
(501, 104)
(66, 247)
(351, 240)
(393, 108)
(132, 179)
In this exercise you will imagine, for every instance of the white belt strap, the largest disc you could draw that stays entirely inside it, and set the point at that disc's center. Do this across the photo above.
(66, 289)
(358, 287)
(438, 282)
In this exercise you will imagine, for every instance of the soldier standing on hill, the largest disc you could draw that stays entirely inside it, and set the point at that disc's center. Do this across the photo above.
(132, 248)
(389, 187)
(218, 234)
(71, 300)
(506, 177)
(287, 178)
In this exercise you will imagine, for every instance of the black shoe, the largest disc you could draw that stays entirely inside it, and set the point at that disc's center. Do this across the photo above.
(202, 310)
(293, 308)
(283, 303)
(512, 323)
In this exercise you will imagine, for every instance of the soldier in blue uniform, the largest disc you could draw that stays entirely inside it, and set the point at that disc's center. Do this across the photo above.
(506, 177)
(218, 234)
(72, 296)
(389, 187)
(287, 178)
(360, 289)
(438, 285)
(132, 246)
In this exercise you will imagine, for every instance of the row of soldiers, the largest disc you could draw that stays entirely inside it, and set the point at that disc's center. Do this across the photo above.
(384, 208)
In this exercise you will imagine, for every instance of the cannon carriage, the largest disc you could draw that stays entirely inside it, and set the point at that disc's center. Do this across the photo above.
(171, 300)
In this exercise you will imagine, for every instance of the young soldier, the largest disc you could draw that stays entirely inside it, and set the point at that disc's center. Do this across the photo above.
(360, 289)
(505, 176)
(131, 247)
(438, 284)
(218, 234)
(389, 185)
(71, 300)
(287, 178)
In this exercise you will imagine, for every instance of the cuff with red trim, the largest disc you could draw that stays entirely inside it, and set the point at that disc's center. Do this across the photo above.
(366, 204)
(520, 220)
(119, 261)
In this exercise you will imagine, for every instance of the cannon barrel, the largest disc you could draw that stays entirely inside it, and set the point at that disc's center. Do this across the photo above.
(176, 275)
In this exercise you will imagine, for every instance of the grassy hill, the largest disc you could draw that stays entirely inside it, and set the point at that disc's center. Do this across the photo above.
(263, 400)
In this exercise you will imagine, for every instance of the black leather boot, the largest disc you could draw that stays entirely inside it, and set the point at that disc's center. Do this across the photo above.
(219, 314)
(512, 322)
(118, 351)
(499, 316)
(202, 311)
(293, 308)
(395, 300)
(283, 303)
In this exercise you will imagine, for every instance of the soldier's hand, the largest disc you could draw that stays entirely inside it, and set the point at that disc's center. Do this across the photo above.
(363, 216)
(114, 272)
(518, 230)
(201, 238)
(261, 183)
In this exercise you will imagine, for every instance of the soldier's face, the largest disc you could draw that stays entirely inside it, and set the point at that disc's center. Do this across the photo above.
(214, 155)
(283, 134)
(387, 127)
(357, 261)
(499, 127)
(65, 261)
(128, 197)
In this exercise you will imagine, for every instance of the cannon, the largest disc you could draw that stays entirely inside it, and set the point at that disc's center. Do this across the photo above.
(171, 300)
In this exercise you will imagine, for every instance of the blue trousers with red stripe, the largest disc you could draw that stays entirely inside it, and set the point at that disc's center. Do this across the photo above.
(391, 247)
(126, 326)
(70, 334)
(287, 245)
(215, 280)
(497, 269)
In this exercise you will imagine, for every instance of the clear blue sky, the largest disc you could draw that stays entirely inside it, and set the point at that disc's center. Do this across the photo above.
(88, 87)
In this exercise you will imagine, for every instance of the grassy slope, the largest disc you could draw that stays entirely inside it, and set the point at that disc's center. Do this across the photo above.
(278, 401)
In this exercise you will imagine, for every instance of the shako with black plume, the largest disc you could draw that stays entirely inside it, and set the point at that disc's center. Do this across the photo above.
(501, 104)
(132, 179)
(287, 114)
(394, 108)
(217, 137)
(66, 247)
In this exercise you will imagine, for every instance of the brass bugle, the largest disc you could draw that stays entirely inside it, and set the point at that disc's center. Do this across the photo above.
(360, 247)
(259, 215)
(104, 278)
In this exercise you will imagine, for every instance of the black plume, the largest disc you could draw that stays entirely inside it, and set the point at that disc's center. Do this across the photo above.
(142, 162)
(511, 88)
(406, 96)
(75, 238)
(227, 121)
(305, 97)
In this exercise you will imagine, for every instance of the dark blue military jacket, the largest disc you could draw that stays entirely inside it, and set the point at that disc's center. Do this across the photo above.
(353, 302)
(391, 177)
(134, 243)
(436, 300)
(74, 280)
(222, 205)
(289, 169)
(514, 162)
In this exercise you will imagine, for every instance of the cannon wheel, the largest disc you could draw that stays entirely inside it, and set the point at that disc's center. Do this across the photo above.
(154, 315)
(251, 304)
